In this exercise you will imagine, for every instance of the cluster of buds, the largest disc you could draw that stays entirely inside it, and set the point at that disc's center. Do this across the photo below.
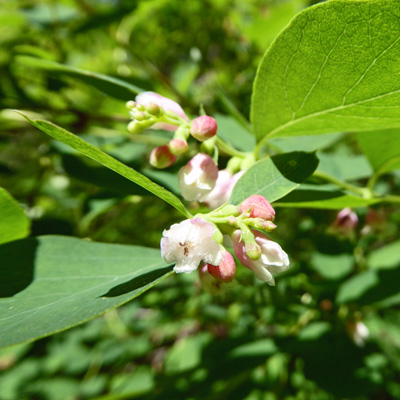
(198, 242)
(151, 110)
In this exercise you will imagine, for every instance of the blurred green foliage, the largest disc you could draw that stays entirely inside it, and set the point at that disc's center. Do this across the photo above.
(294, 341)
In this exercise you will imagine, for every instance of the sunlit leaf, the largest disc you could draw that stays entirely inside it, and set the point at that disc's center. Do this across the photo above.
(331, 70)
(94, 153)
(14, 224)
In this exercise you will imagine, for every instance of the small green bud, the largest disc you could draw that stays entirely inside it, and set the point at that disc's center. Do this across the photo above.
(253, 251)
(136, 127)
(130, 105)
(153, 109)
(208, 146)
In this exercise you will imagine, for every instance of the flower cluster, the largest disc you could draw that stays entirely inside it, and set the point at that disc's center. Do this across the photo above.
(151, 110)
(197, 242)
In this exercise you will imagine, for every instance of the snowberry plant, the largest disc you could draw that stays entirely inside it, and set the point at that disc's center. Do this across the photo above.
(333, 69)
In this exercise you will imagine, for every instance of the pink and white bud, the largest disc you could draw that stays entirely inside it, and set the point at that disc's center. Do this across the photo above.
(190, 242)
(197, 178)
(273, 259)
(258, 207)
(346, 220)
(150, 99)
(358, 332)
(203, 128)
(223, 189)
(178, 146)
(226, 270)
(161, 157)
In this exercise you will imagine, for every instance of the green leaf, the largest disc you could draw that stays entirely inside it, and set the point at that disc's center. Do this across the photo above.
(14, 224)
(94, 153)
(322, 199)
(332, 267)
(275, 177)
(304, 143)
(382, 149)
(331, 69)
(52, 283)
(309, 196)
(234, 133)
(114, 87)
(387, 257)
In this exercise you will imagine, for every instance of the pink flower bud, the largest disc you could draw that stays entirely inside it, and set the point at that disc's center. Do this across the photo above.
(178, 146)
(226, 270)
(161, 157)
(150, 99)
(197, 178)
(258, 207)
(223, 189)
(189, 243)
(273, 259)
(346, 220)
(203, 128)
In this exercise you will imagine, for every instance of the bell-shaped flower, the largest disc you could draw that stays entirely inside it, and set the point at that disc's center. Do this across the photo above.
(189, 243)
(258, 207)
(273, 259)
(223, 189)
(151, 100)
(198, 177)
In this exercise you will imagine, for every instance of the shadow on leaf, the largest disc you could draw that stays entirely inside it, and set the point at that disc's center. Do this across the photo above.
(17, 266)
(137, 282)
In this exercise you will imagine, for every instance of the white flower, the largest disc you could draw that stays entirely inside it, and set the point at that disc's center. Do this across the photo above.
(359, 332)
(189, 243)
(273, 259)
(197, 178)
(223, 189)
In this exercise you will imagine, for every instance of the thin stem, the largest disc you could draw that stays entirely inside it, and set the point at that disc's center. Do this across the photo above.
(229, 149)
(391, 198)
(363, 192)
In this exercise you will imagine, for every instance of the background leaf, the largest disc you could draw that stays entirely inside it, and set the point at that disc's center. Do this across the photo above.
(275, 177)
(382, 149)
(94, 153)
(14, 224)
(51, 283)
(331, 70)
(311, 196)
(111, 86)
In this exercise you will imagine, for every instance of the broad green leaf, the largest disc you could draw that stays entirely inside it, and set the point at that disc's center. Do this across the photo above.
(304, 143)
(309, 196)
(387, 257)
(344, 165)
(111, 86)
(332, 267)
(234, 133)
(94, 153)
(382, 148)
(14, 224)
(52, 283)
(331, 69)
(378, 287)
(275, 177)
